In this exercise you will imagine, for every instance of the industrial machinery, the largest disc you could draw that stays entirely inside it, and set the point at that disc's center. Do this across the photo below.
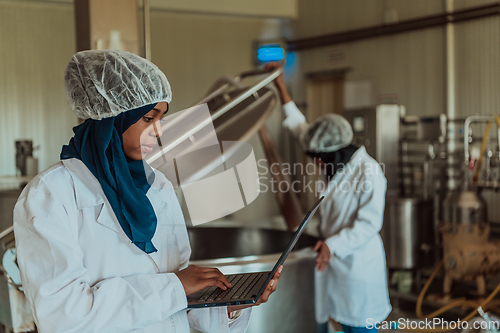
(378, 129)
(434, 208)
(407, 232)
(468, 253)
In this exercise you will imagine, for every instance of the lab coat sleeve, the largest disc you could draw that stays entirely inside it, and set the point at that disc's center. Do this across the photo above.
(185, 248)
(294, 120)
(55, 279)
(368, 220)
(215, 320)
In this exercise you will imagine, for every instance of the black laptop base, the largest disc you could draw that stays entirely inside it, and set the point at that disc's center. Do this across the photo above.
(245, 289)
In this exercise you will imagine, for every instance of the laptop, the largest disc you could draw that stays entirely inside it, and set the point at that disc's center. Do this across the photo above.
(248, 287)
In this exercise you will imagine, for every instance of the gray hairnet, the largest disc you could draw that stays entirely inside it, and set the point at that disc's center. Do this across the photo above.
(102, 84)
(326, 134)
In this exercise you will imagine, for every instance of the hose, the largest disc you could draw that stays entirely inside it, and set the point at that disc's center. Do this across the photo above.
(461, 301)
(452, 304)
(483, 148)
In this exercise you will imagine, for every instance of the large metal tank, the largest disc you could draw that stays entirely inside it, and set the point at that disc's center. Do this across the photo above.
(408, 232)
(242, 250)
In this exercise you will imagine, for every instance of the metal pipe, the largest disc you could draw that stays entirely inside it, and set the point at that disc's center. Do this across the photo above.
(469, 121)
(228, 153)
(234, 82)
(229, 82)
(221, 111)
(394, 28)
(6, 232)
(426, 181)
(147, 29)
(450, 82)
(450, 64)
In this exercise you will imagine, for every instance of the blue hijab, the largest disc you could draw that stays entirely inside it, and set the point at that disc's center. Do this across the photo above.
(99, 145)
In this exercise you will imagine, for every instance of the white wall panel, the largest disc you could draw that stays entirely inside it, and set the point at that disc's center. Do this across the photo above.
(477, 50)
(463, 4)
(317, 17)
(409, 66)
(36, 42)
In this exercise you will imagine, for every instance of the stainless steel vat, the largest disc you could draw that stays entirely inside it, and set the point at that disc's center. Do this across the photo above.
(408, 232)
(234, 250)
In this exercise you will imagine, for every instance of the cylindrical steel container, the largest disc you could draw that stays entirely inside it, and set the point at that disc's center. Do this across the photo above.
(408, 232)
(243, 250)
(467, 253)
(464, 208)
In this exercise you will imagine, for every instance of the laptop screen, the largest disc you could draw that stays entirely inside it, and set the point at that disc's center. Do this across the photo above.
(292, 243)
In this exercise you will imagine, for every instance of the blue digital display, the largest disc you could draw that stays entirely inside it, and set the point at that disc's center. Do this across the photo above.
(267, 53)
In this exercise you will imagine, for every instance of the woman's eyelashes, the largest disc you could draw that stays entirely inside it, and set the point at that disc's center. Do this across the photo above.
(149, 119)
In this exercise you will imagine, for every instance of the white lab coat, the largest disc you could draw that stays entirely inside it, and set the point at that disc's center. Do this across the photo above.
(81, 273)
(353, 287)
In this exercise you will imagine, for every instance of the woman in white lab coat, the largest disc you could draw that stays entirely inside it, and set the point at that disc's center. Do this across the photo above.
(351, 276)
(101, 241)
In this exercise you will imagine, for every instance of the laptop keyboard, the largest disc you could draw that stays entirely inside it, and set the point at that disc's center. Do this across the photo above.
(241, 286)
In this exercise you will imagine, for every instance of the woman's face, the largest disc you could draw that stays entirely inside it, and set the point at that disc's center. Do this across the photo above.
(140, 138)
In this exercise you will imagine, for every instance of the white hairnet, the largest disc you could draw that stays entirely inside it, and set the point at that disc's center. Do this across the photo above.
(102, 84)
(326, 134)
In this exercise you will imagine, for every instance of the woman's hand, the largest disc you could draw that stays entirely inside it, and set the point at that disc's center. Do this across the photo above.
(323, 256)
(271, 288)
(195, 278)
(270, 66)
(279, 81)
